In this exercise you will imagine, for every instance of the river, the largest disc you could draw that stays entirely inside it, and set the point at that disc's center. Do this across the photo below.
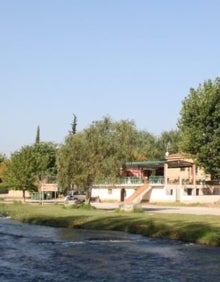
(40, 253)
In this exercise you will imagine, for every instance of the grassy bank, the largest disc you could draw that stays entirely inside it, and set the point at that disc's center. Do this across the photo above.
(188, 228)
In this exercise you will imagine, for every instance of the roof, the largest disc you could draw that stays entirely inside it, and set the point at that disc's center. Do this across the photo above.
(146, 164)
(159, 164)
(179, 160)
(179, 163)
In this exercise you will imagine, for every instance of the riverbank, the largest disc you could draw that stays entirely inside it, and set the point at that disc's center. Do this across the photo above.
(200, 229)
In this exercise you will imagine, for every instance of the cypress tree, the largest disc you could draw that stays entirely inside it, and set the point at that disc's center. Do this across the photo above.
(37, 140)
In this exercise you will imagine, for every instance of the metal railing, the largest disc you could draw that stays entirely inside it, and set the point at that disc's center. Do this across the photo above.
(156, 179)
(129, 180)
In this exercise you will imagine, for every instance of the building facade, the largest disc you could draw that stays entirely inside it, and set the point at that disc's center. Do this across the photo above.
(177, 178)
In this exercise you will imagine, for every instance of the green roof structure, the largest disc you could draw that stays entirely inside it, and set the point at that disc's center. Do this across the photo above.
(158, 164)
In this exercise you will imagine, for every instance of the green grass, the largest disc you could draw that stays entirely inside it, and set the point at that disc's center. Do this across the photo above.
(188, 228)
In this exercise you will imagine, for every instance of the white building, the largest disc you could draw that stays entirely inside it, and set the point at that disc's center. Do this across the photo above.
(175, 179)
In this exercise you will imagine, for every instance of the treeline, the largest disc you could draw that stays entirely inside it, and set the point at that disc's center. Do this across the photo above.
(99, 151)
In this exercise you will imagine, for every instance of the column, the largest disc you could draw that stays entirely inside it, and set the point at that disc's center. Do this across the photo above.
(194, 174)
(165, 173)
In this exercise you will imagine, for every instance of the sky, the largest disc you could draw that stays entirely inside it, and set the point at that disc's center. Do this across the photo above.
(127, 59)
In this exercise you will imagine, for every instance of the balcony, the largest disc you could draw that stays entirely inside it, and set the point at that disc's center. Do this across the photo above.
(157, 179)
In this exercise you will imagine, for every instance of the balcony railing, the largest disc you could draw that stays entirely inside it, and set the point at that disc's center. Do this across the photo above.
(156, 179)
(130, 180)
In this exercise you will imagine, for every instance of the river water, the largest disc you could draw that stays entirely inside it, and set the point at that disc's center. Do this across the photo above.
(39, 253)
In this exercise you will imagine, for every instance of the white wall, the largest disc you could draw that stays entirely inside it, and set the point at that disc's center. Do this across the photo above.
(111, 194)
(158, 193)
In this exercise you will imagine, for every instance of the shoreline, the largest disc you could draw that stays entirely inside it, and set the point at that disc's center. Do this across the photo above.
(156, 222)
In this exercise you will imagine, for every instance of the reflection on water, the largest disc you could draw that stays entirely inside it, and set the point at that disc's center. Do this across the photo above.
(38, 253)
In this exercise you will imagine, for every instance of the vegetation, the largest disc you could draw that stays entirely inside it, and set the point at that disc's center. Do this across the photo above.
(37, 140)
(96, 153)
(73, 125)
(99, 151)
(199, 126)
(2, 158)
(189, 228)
(30, 166)
(3, 186)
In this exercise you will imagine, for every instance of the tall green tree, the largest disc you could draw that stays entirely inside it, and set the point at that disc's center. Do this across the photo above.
(73, 125)
(151, 147)
(29, 167)
(98, 152)
(20, 170)
(168, 142)
(45, 154)
(145, 146)
(199, 124)
(37, 140)
(72, 162)
(2, 168)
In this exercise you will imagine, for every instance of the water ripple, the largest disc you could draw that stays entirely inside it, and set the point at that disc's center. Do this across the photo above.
(39, 253)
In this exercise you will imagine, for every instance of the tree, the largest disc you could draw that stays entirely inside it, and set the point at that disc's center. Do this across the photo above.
(30, 166)
(168, 142)
(45, 158)
(20, 170)
(73, 125)
(2, 157)
(71, 162)
(150, 147)
(2, 169)
(199, 125)
(98, 152)
(37, 140)
(145, 146)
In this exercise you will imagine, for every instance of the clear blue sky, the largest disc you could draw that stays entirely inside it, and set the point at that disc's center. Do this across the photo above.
(130, 59)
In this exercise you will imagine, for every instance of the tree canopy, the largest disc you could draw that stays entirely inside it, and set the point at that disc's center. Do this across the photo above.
(28, 167)
(199, 126)
(73, 125)
(96, 154)
(20, 170)
(99, 151)
(2, 168)
(37, 139)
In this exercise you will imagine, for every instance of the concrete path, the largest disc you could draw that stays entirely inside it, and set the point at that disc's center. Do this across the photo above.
(165, 209)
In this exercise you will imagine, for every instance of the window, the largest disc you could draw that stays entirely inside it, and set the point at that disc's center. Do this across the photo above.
(189, 191)
(170, 192)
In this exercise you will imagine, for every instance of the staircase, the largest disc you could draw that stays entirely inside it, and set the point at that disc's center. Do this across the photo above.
(136, 197)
